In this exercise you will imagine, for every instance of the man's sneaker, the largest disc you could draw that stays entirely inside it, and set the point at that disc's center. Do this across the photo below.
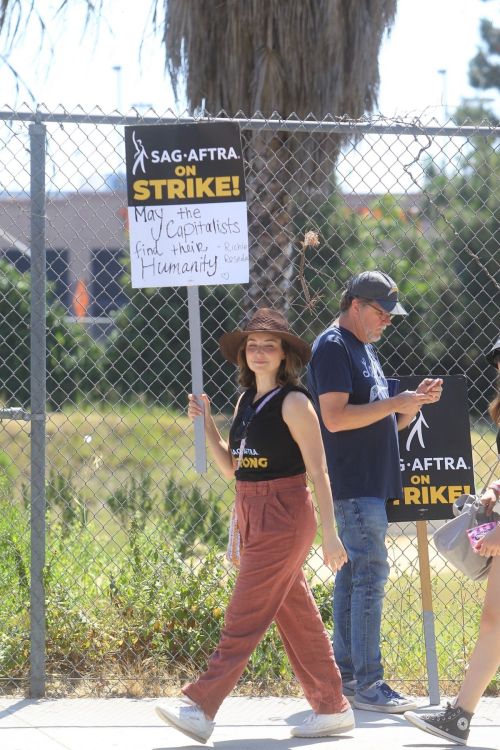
(187, 719)
(451, 722)
(381, 697)
(349, 689)
(324, 725)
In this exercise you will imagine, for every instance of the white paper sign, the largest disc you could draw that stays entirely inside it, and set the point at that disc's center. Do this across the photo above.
(187, 212)
(189, 245)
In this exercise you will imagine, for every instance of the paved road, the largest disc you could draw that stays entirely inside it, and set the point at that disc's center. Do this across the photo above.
(242, 724)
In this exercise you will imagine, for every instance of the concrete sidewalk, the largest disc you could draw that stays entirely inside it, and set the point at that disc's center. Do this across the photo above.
(242, 724)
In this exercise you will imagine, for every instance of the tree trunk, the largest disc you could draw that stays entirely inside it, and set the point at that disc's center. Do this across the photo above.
(282, 172)
(270, 220)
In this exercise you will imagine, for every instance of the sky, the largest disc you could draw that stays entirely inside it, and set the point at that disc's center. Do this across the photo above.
(115, 63)
(74, 65)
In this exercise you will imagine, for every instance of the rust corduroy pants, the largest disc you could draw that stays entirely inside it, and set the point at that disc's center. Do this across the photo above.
(277, 524)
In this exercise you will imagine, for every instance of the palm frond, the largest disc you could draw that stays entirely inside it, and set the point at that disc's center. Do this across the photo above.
(298, 56)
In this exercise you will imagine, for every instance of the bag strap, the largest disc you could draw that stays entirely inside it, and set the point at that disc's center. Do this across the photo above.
(256, 411)
(491, 474)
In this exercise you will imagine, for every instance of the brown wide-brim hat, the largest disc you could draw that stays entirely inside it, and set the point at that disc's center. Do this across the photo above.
(264, 320)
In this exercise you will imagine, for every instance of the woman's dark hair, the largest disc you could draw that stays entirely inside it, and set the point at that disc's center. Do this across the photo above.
(494, 407)
(288, 373)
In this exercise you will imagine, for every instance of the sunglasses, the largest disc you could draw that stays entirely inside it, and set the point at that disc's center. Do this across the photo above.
(382, 313)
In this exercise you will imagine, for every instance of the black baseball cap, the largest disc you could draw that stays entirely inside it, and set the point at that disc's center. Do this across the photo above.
(379, 287)
(494, 352)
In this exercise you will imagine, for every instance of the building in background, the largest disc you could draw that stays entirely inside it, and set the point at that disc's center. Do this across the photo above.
(85, 238)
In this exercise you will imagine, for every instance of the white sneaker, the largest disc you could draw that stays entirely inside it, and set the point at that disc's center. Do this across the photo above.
(187, 719)
(324, 725)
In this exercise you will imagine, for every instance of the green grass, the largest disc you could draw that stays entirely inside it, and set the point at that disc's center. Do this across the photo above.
(123, 440)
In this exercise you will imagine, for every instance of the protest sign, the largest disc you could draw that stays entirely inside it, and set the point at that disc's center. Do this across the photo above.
(186, 205)
(436, 455)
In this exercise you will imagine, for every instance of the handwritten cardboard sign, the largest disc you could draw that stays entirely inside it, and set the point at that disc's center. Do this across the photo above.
(186, 205)
(436, 455)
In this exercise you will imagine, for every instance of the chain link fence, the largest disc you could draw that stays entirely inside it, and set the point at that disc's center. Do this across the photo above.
(122, 542)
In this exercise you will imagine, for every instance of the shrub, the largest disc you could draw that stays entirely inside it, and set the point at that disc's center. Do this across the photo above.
(73, 358)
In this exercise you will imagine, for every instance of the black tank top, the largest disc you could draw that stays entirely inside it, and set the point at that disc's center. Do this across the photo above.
(270, 450)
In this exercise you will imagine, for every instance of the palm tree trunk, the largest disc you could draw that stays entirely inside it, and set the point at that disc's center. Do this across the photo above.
(281, 173)
(270, 219)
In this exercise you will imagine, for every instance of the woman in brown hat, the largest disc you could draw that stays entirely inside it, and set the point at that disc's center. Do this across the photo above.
(273, 441)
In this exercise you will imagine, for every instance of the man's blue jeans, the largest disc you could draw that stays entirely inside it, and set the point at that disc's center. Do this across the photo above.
(359, 589)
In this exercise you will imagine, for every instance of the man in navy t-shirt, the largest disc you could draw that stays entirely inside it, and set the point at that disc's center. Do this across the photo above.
(359, 421)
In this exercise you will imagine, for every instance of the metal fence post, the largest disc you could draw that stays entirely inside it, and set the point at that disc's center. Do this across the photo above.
(197, 374)
(37, 132)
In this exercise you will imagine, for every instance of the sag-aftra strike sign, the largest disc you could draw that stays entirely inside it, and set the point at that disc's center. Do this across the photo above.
(186, 205)
(436, 455)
